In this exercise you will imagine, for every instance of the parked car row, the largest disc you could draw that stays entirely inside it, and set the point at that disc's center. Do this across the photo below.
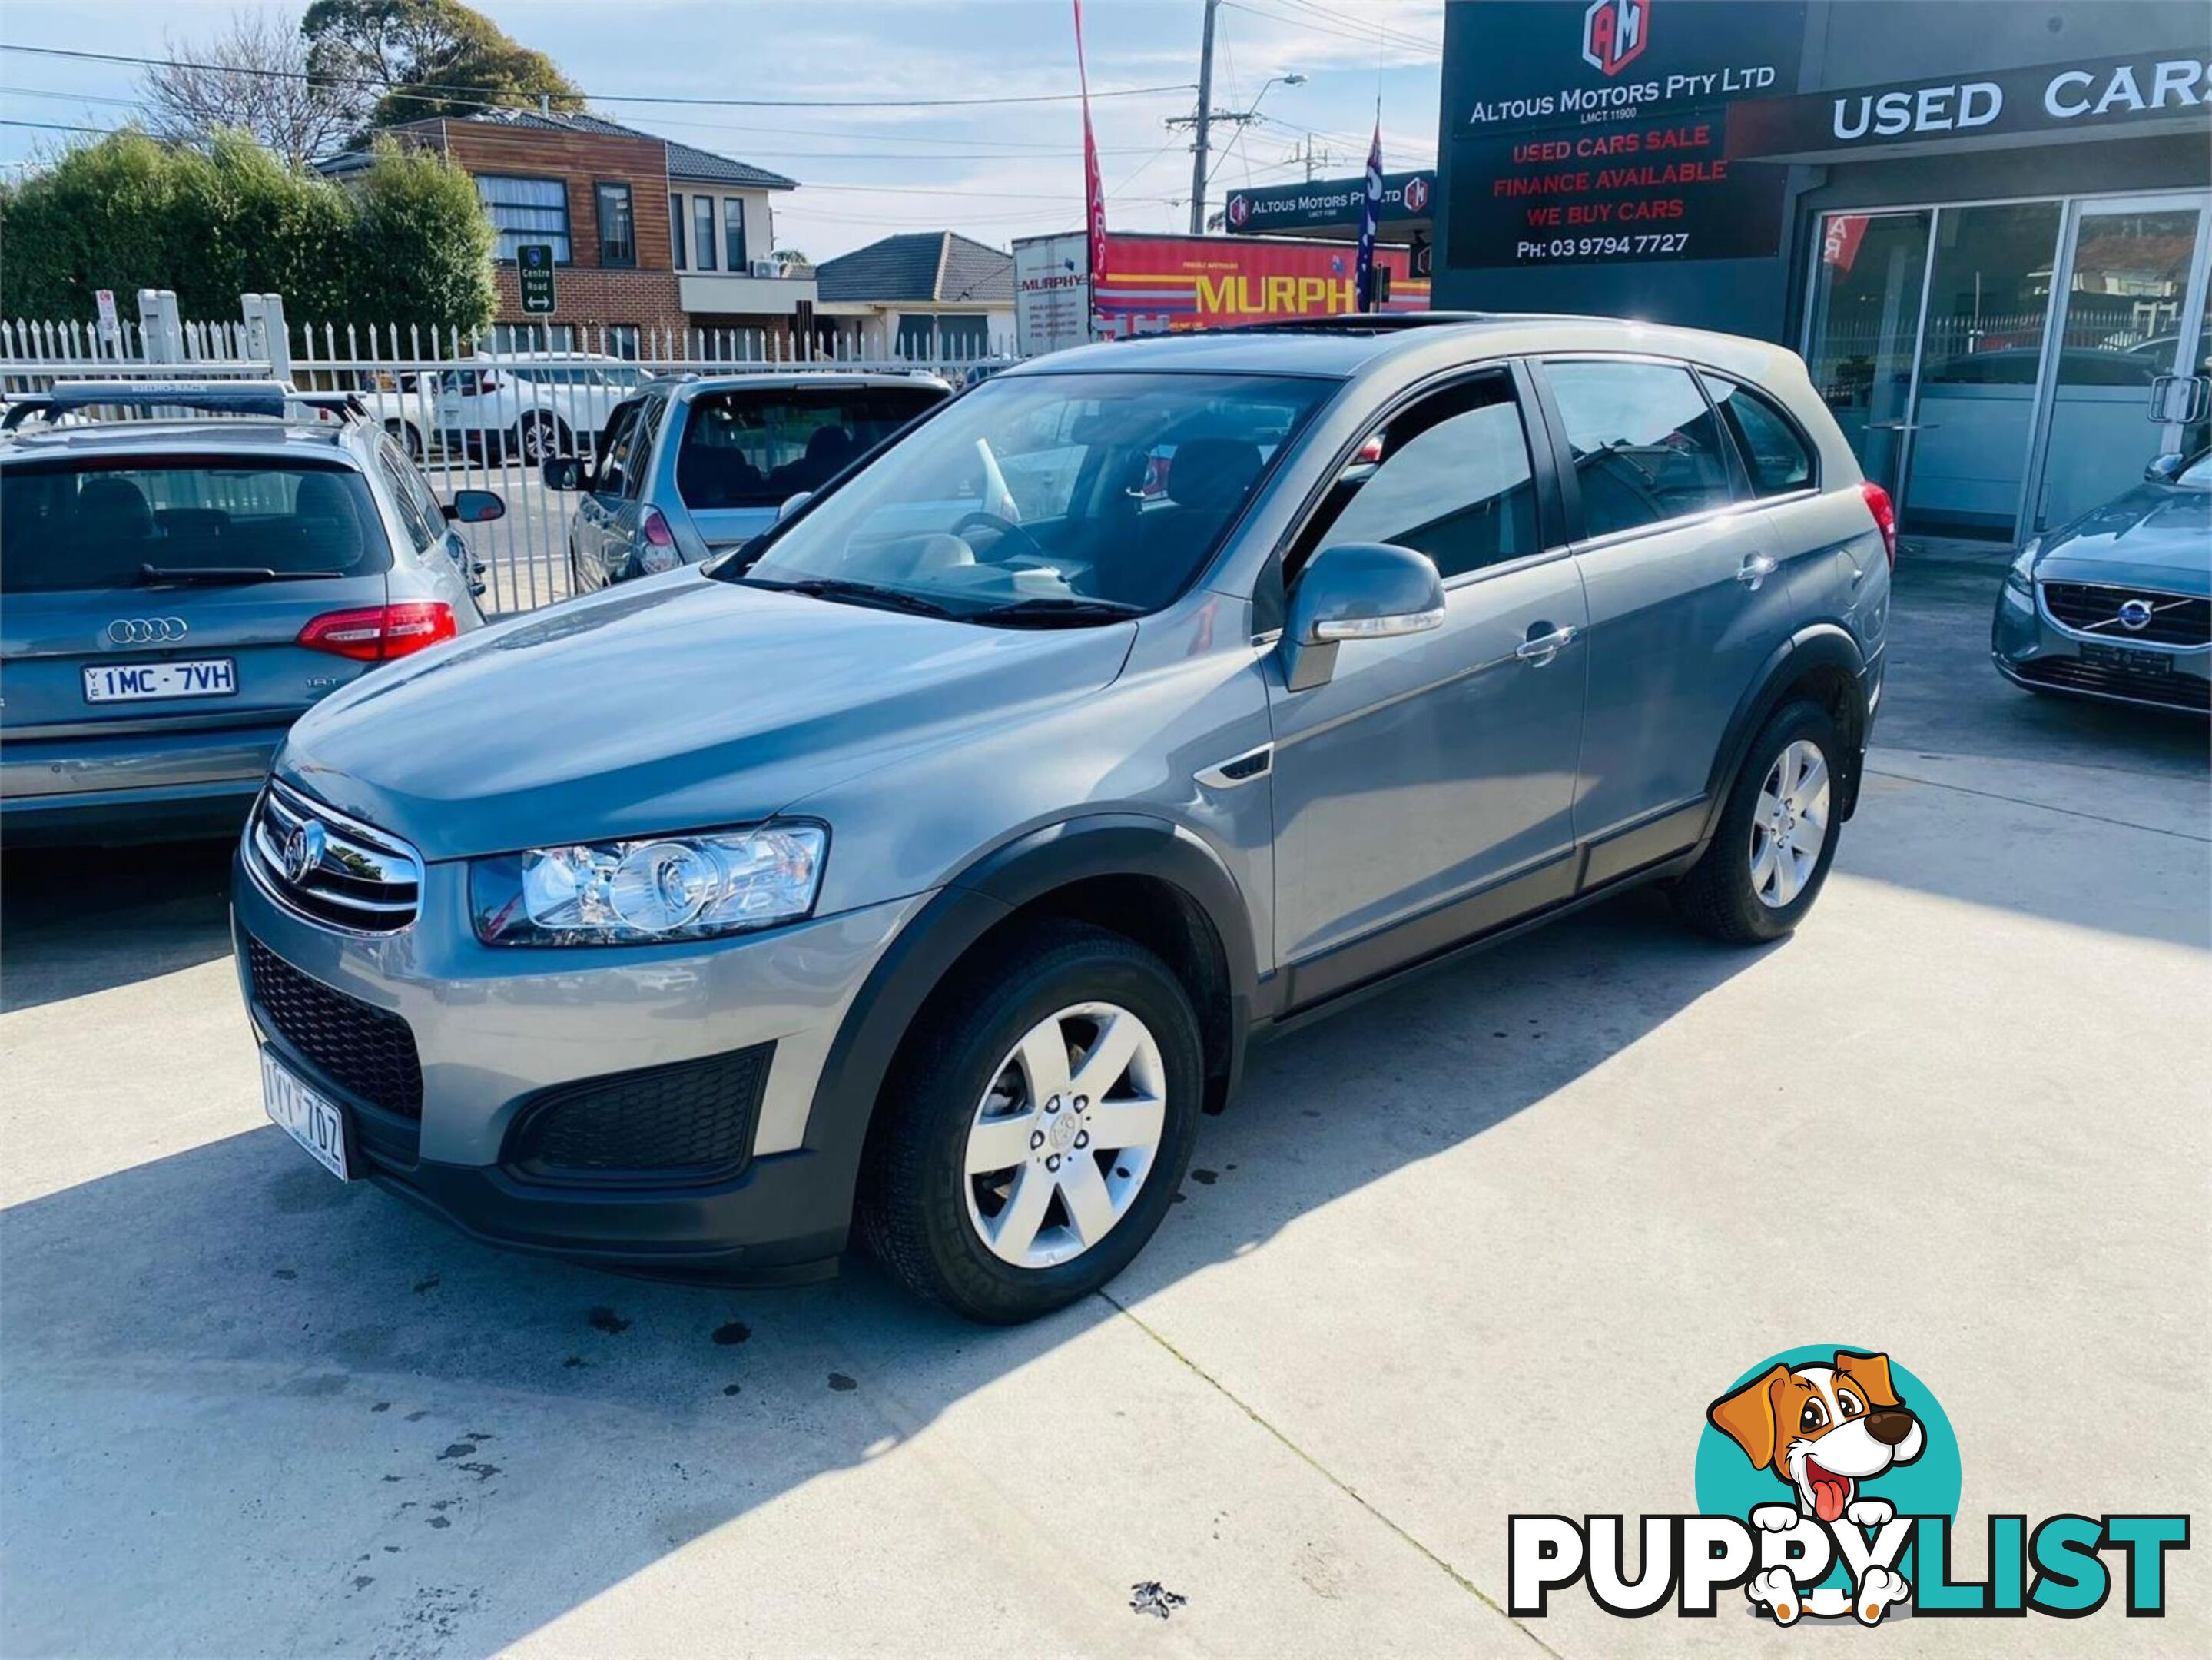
(958, 786)
(524, 404)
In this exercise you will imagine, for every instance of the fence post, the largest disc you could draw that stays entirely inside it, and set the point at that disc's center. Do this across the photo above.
(265, 337)
(162, 333)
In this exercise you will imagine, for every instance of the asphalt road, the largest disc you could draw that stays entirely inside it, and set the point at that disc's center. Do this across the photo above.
(1488, 1244)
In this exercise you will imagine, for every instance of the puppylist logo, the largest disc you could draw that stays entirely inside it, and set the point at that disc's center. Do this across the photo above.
(1827, 1479)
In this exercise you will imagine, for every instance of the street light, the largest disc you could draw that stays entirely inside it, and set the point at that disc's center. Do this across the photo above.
(1242, 119)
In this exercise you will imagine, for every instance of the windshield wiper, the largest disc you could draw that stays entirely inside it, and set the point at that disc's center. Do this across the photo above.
(854, 594)
(1048, 611)
(222, 575)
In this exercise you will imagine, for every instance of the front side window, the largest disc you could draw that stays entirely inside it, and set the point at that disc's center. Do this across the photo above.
(617, 227)
(733, 232)
(753, 449)
(702, 230)
(940, 521)
(1645, 444)
(526, 210)
(70, 525)
(1449, 476)
(1773, 454)
(610, 477)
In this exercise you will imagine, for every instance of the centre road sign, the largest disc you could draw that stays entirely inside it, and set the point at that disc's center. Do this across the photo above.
(533, 271)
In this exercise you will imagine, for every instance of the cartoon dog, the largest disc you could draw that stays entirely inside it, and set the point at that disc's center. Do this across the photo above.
(1824, 1430)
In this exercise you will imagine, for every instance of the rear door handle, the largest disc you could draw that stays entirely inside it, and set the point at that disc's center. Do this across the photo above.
(1541, 648)
(1755, 570)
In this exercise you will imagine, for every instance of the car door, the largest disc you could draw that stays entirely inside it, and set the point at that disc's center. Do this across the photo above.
(1427, 787)
(596, 534)
(1686, 600)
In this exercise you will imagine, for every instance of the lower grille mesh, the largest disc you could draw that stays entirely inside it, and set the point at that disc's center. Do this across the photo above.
(2179, 691)
(691, 1121)
(365, 1051)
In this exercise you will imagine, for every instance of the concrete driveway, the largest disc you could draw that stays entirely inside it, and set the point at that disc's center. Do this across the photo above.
(1488, 1244)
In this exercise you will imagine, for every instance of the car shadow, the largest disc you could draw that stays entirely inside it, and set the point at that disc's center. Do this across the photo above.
(435, 1438)
(81, 919)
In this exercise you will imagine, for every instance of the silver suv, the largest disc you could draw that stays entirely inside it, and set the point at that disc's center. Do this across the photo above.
(930, 862)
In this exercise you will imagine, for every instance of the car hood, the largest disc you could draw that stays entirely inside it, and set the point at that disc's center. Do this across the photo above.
(2154, 536)
(680, 702)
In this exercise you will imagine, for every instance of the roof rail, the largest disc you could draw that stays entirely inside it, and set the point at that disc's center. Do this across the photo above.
(1358, 322)
(262, 398)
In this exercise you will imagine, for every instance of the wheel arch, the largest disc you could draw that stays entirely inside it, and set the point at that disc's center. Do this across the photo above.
(1146, 877)
(1822, 662)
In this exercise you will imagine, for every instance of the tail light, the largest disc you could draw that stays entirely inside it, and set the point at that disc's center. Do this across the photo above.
(1885, 516)
(658, 554)
(657, 534)
(376, 634)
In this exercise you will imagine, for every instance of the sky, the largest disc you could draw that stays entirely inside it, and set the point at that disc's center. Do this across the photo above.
(884, 164)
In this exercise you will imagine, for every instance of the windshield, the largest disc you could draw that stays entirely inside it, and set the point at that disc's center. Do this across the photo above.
(69, 526)
(1053, 491)
(757, 449)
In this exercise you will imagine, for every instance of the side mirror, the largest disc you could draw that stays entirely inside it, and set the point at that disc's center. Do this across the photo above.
(792, 504)
(562, 472)
(475, 506)
(1357, 591)
(2164, 469)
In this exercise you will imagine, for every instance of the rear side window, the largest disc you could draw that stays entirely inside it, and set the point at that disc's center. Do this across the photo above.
(67, 526)
(1773, 454)
(756, 449)
(1646, 446)
(425, 520)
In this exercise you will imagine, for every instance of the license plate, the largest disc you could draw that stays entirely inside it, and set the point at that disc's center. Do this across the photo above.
(311, 1120)
(2120, 657)
(124, 683)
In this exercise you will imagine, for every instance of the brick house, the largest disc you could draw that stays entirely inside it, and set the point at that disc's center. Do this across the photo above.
(644, 229)
(934, 294)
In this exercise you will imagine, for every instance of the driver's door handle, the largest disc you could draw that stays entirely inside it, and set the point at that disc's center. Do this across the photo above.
(1756, 570)
(1539, 649)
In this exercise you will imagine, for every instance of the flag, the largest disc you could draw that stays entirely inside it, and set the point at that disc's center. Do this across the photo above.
(1370, 206)
(1094, 193)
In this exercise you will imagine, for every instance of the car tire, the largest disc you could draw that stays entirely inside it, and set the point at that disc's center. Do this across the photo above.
(1761, 872)
(930, 1215)
(409, 439)
(538, 438)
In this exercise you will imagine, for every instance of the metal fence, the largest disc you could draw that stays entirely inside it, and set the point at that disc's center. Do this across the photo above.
(558, 400)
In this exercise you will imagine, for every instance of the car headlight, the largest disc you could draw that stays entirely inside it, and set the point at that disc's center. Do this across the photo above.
(651, 889)
(2020, 579)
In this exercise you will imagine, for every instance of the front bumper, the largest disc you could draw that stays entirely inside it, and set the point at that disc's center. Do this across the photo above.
(494, 1029)
(2032, 651)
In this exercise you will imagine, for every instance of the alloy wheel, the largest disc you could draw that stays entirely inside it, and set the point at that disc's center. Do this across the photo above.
(1789, 823)
(1064, 1138)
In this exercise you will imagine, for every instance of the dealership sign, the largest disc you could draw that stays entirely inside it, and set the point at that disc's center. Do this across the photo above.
(2025, 105)
(1325, 204)
(1591, 134)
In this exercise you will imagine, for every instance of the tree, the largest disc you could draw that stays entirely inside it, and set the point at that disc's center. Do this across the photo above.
(408, 243)
(254, 77)
(409, 60)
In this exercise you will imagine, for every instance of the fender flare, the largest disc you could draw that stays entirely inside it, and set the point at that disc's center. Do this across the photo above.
(1817, 646)
(972, 903)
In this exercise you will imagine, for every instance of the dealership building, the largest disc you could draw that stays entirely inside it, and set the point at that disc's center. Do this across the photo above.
(1986, 226)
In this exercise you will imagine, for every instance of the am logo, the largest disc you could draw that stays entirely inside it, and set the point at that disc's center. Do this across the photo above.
(1614, 34)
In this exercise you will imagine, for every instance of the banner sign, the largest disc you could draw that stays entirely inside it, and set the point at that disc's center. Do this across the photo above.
(2170, 87)
(1328, 204)
(1583, 135)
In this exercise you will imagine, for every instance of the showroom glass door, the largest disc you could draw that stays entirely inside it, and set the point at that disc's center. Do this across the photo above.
(2132, 293)
(1871, 275)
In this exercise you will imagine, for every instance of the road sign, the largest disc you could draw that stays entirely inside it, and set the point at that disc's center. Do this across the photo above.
(533, 269)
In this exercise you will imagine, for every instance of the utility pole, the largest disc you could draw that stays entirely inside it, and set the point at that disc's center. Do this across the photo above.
(1205, 112)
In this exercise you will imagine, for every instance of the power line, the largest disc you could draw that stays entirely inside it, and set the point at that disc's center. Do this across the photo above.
(1381, 31)
(422, 89)
(1355, 32)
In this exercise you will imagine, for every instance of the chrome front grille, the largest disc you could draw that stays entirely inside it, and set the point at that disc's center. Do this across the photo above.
(2129, 615)
(329, 868)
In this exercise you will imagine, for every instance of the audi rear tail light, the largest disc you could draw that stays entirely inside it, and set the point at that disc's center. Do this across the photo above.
(376, 634)
(1885, 516)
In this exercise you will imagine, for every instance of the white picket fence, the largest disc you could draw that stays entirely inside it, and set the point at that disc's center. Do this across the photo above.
(398, 370)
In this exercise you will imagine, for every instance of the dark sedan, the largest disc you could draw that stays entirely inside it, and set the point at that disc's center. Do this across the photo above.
(2117, 605)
